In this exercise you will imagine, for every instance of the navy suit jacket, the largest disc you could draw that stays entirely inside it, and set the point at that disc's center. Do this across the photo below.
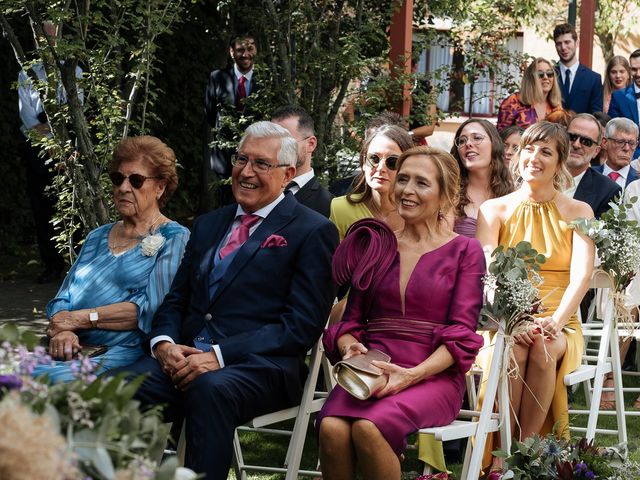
(597, 190)
(315, 196)
(271, 304)
(633, 175)
(586, 92)
(220, 101)
(623, 104)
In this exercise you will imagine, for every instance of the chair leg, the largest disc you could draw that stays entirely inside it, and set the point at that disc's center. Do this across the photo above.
(616, 365)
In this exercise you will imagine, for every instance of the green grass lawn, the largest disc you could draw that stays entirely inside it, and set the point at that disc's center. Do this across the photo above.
(271, 449)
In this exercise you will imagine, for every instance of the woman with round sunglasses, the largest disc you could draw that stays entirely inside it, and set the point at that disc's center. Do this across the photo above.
(616, 77)
(124, 269)
(539, 96)
(478, 149)
(371, 194)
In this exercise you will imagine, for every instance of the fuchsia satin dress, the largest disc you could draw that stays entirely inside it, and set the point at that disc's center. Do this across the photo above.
(442, 303)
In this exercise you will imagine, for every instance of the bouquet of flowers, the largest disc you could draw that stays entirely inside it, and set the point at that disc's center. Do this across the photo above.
(89, 428)
(618, 242)
(550, 458)
(511, 289)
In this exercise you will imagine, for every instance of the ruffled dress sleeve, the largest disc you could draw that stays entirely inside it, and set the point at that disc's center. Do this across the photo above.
(168, 259)
(459, 336)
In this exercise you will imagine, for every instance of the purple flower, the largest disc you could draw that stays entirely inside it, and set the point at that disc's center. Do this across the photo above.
(590, 475)
(10, 382)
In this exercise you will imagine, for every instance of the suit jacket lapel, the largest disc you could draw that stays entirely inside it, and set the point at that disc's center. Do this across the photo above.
(307, 190)
(629, 95)
(217, 231)
(281, 215)
(585, 191)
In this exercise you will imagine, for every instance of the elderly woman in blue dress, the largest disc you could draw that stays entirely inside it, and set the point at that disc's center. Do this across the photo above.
(124, 268)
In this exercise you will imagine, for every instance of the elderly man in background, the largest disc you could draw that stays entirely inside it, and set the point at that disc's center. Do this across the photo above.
(250, 298)
(621, 139)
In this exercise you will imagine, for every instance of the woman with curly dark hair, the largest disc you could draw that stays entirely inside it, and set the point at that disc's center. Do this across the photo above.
(479, 151)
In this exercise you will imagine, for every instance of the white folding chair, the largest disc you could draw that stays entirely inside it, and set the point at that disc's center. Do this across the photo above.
(596, 367)
(311, 402)
(476, 425)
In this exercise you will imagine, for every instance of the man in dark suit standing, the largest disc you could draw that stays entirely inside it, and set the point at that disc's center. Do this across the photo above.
(250, 298)
(620, 141)
(588, 186)
(305, 186)
(225, 99)
(626, 102)
(581, 87)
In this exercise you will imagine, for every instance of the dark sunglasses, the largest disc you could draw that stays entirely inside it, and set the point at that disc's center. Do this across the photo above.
(135, 179)
(586, 141)
(391, 161)
(548, 74)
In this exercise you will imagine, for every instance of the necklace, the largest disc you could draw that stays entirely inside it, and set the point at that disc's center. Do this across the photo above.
(127, 241)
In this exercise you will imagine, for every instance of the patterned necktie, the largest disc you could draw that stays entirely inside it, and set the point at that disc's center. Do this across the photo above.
(242, 90)
(567, 82)
(613, 176)
(239, 235)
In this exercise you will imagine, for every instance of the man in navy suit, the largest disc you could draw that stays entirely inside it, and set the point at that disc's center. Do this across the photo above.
(225, 99)
(305, 186)
(250, 298)
(589, 186)
(621, 139)
(581, 87)
(624, 102)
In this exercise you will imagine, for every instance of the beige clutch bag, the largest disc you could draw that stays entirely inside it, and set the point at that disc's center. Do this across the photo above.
(359, 377)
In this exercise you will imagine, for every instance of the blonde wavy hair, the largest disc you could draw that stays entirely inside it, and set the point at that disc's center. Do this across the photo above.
(531, 89)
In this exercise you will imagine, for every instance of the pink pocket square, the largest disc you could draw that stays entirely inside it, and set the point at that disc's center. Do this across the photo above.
(274, 241)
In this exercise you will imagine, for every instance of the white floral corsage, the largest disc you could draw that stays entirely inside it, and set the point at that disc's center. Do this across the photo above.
(151, 244)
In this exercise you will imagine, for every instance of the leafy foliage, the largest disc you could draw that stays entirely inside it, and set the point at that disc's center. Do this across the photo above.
(511, 283)
(617, 239)
(550, 458)
(99, 417)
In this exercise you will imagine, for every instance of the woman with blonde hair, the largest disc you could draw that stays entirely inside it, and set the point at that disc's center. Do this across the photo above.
(539, 96)
(616, 77)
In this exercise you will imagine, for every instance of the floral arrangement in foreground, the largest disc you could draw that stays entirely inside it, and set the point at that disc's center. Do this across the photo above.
(90, 428)
(511, 288)
(617, 239)
(550, 458)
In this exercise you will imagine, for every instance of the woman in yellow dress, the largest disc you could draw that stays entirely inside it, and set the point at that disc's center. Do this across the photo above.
(371, 195)
(539, 213)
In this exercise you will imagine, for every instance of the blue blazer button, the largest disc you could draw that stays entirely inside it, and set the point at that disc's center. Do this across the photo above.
(208, 317)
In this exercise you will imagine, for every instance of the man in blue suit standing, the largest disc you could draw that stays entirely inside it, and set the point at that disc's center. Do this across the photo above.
(251, 296)
(624, 102)
(620, 141)
(581, 87)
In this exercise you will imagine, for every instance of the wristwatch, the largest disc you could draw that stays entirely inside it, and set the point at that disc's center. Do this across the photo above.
(93, 318)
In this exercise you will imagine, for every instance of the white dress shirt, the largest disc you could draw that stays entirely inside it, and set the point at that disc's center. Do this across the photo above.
(624, 173)
(248, 76)
(563, 70)
(300, 181)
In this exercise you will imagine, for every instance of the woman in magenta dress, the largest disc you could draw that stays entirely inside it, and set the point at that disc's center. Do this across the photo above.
(416, 296)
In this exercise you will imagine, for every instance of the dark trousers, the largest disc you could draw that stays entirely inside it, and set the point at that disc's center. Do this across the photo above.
(214, 405)
(39, 176)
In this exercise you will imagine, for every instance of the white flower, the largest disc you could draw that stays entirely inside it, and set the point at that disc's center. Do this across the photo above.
(184, 474)
(151, 244)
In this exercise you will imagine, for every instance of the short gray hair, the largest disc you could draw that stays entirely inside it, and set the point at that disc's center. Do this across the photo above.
(288, 153)
(621, 124)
